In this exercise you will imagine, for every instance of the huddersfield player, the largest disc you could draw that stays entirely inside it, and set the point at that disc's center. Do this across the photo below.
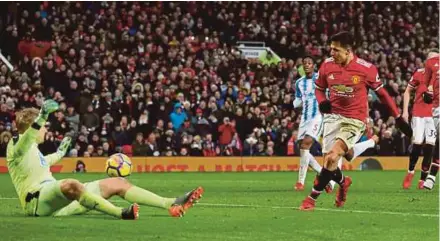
(40, 194)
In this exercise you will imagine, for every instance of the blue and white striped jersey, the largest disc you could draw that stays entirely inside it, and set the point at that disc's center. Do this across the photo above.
(305, 94)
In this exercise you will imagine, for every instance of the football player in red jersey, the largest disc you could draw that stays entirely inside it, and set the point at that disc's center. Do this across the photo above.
(423, 127)
(348, 78)
(432, 96)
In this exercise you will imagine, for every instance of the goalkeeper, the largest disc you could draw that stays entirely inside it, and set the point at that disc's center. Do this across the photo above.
(41, 194)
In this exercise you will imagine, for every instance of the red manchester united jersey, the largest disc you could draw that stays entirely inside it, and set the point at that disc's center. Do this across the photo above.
(349, 86)
(432, 64)
(420, 108)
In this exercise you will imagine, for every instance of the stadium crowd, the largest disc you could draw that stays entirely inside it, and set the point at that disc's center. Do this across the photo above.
(166, 79)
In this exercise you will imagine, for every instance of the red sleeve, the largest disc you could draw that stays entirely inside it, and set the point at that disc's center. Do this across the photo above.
(221, 128)
(386, 99)
(428, 73)
(321, 80)
(373, 81)
(321, 84)
(414, 81)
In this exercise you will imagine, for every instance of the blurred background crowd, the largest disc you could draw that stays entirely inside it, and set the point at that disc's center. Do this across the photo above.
(167, 79)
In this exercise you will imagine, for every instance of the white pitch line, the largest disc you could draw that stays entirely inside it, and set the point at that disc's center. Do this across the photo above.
(319, 209)
(294, 208)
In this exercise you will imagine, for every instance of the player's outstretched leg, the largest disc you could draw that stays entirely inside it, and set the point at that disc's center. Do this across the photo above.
(74, 190)
(356, 151)
(427, 159)
(176, 206)
(330, 171)
(413, 158)
(430, 179)
(304, 160)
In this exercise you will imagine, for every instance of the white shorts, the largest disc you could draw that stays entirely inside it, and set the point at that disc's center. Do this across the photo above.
(435, 117)
(312, 128)
(423, 129)
(336, 127)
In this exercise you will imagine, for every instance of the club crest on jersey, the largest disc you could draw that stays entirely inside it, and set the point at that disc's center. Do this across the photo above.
(355, 79)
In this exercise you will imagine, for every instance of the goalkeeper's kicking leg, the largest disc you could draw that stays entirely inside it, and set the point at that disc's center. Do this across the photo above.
(109, 187)
(73, 190)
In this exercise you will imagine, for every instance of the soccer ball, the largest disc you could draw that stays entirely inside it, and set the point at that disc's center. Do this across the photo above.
(118, 165)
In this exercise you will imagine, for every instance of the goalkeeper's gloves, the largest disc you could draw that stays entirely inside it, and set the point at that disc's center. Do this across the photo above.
(404, 127)
(427, 97)
(325, 107)
(64, 146)
(49, 106)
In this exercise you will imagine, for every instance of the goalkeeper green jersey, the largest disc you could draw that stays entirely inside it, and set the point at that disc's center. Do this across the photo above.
(28, 168)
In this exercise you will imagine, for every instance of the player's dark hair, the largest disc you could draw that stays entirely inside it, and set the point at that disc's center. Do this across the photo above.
(344, 38)
(309, 57)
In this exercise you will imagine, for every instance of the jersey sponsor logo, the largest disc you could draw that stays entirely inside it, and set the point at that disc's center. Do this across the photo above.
(377, 78)
(331, 77)
(355, 79)
(342, 89)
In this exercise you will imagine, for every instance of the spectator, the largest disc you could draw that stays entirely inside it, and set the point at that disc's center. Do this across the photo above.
(90, 119)
(226, 131)
(139, 145)
(178, 116)
(4, 140)
(152, 148)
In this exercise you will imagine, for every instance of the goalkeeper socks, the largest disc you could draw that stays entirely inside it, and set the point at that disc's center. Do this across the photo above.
(95, 202)
(360, 147)
(427, 158)
(314, 164)
(414, 156)
(144, 197)
(324, 178)
(303, 165)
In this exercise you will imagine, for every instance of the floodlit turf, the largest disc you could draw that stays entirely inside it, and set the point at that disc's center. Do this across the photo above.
(244, 206)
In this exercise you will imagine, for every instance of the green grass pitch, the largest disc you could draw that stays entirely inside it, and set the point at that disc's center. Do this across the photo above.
(244, 206)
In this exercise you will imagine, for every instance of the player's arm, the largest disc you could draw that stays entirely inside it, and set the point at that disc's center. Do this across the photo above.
(376, 84)
(427, 95)
(413, 83)
(297, 102)
(61, 152)
(29, 137)
(320, 91)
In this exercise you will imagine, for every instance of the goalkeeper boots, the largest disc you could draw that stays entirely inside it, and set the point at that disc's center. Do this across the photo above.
(183, 203)
(131, 213)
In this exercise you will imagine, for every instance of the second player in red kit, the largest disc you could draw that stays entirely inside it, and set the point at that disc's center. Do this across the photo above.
(345, 112)
(422, 124)
(432, 73)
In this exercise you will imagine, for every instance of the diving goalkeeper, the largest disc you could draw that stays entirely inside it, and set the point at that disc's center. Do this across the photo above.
(41, 194)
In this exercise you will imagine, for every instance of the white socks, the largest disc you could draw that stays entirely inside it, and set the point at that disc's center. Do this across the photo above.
(360, 147)
(303, 165)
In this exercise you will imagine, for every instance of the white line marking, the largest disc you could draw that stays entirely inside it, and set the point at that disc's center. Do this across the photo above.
(287, 207)
(319, 209)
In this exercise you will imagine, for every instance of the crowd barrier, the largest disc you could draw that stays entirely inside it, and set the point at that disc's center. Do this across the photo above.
(223, 164)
